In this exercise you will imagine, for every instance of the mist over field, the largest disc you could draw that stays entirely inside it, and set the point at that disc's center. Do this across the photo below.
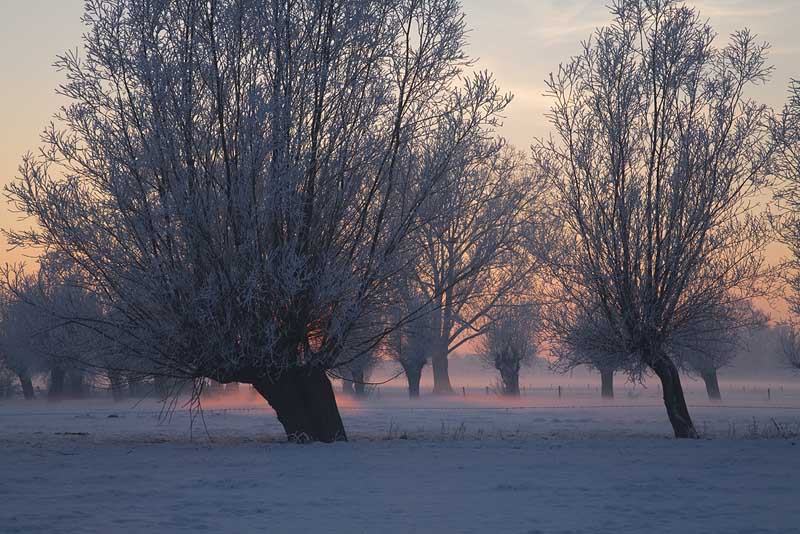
(478, 463)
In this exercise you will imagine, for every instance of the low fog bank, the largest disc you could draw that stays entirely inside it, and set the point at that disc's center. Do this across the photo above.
(757, 367)
(757, 375)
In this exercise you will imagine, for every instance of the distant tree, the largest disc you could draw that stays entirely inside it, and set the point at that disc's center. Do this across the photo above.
(704, 357)
(238, 180)
(710, 344)
(15, 353)
(356, 373)
(41, 331)
(606, 381)
(789, 343)
(656, 154)
(592, 342)
(410, 343)
(463, 238)
(510, 343)
(7, 378)
(786, 132)
(471, 246)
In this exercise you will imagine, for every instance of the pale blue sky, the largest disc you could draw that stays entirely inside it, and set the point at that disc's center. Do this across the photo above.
(521, 41)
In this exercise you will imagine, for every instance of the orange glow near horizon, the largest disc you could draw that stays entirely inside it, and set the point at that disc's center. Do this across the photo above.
(248, 398)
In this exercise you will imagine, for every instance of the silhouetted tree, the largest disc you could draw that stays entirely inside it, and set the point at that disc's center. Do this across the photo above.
(703, 348)
(510, 342)
(656, 154)
(238, 180)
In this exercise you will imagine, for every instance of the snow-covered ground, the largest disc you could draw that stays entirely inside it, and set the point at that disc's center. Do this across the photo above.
(463, 464)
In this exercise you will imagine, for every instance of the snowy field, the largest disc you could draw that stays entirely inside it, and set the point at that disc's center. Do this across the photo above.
(540, 464)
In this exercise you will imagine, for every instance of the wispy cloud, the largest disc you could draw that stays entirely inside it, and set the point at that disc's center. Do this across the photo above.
(741, 9)
(569, 21)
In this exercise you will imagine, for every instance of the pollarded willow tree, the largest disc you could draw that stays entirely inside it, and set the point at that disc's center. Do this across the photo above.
(410, 343)
(510, 342)
(40, 330)
(705, 347)
(16, 356)
(705, 352)
(238, 178)
(656, 155)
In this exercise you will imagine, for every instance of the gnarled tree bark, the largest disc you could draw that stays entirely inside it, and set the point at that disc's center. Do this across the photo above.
(305, 404)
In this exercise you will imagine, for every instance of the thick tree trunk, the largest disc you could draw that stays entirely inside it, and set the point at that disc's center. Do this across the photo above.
(413, 376)
(303, 399)
(712, 384)
(441, 374)
(510, 379)
(27, 386)
(56, 389)
(674, 401)
(607, 383)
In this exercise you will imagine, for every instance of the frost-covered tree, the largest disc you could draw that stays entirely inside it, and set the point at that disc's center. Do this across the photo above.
(590, 341)
(704, 357)
(471, 246)
(16, 356)
(410, 343)
(41, 331)
(656, 154)
(787, 168)
(705, 347)
(789, 343)
(355, 373)
(510, 343)
(238, 179)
